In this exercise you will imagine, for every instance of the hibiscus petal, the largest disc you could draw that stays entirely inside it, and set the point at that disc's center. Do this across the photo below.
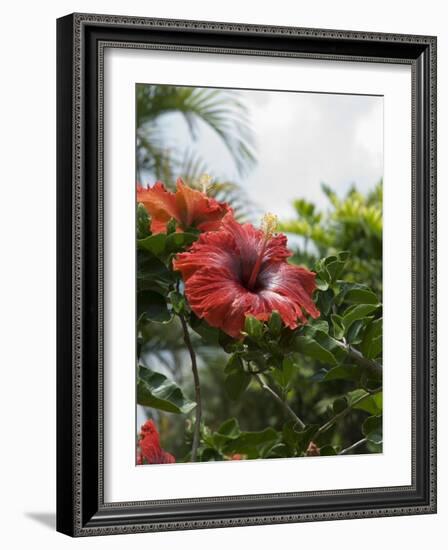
(198, 210)
(293, 283)
(160, 204)
(213, 294)
(214, 249)
(217, 286)
(149, 446)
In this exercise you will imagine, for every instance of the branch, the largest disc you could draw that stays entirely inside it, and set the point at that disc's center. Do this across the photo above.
(340, 415)
(359, 358)
(353, 447)
(197, 390)
(279, 400)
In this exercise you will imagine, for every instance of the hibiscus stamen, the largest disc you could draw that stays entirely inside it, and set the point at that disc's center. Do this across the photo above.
(205, 182)
(269, 224)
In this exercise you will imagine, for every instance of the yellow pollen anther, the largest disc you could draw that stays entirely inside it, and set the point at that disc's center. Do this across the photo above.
(205, 181)
(269, 224)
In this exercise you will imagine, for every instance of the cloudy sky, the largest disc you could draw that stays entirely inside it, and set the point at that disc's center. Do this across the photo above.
(302, 139)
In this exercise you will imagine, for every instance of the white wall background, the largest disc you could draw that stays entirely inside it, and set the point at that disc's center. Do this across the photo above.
(27, 289)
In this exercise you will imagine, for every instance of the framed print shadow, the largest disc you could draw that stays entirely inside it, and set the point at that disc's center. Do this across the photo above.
(246, 222)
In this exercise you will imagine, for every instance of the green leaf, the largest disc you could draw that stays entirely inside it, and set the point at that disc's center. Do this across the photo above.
(279, 450)
(356, 312)
(342, 372)
(338, 326)
(177, 301)
(237, 379)
(176, 242)
(334, 269)
(275, 323)
(361, 296)
(325, 301)
(308, 346)
(354, 332)
(323, 340)
(372, 403)
(372, 428)
(327, 450)
(321, 284)
(253, 444)
(289, 436)
(157, 391)
(253, 327)
(142, 222)
(227, 431)
(318, 325)
(207, 455)
(153, 306)
(319, 375)
(303, 437)
(284, 375)
(152, 274)
(154, 243)
(339, 405)
(209, 334)
(230, 428)
(372, 343)
(171, 226)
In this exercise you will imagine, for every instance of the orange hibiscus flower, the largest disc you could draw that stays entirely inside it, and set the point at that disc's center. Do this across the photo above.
(189, 207)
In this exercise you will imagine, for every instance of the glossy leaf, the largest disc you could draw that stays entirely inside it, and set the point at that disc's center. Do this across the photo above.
(342, 372)
(237, 379)
(339, 405)
(153, 306)
(253, 444)
(285, 373)
(327, 450)
(253, 327)
(210, 334)
(372, 343)
(152, 274)
(338, 326)
(373, 429)
(154, 243)
(356, 312)
(303, 437)
(361, 296)
(309, 346)
(177, 242)
(371, 403)
(142, 222)
(227, 431)
(157, 391)
(275, 323)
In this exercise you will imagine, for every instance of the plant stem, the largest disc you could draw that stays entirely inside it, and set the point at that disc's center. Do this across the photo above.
(197, 390)
(279, 400)
(359, 358)
(340, 415)
(353, 447)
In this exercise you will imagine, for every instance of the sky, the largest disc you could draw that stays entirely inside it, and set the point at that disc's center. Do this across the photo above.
(302, 139)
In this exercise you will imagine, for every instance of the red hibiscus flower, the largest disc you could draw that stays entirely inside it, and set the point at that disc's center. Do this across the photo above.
(240, 271)
(150, 451)
(189, 207)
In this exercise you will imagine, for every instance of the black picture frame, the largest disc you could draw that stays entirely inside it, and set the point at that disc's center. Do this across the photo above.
(81, 510)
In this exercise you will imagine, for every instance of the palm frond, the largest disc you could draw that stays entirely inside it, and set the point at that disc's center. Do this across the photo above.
(219, 109)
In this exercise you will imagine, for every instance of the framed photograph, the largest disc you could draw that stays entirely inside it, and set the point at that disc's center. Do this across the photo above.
(246, 274)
